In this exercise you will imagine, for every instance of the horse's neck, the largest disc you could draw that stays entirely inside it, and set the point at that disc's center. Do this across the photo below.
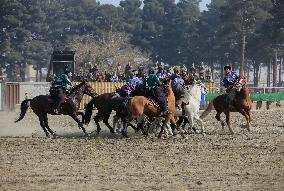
(245, 92)
(170, 91)
(195, 93)
(77, 95)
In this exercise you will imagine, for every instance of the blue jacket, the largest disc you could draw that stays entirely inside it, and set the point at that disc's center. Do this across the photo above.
(134, 82)
(161, 75)
(230, 79)
(177, 80)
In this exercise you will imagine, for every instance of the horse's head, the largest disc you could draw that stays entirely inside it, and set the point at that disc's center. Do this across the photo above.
(241, 84)
(88, 89)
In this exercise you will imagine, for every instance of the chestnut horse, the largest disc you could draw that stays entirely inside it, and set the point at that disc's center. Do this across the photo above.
(43, 105)
(242, 104)
(139, 106)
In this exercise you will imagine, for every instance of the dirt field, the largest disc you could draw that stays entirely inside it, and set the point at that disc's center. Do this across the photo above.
(218, 161)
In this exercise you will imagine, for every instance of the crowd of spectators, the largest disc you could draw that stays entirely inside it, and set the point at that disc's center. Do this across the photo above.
(119, 74)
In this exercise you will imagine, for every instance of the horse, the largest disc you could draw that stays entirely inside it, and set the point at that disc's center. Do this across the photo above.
(43, 105)
(105, 104)
(191, 106)
(242, 104)
(139, 106)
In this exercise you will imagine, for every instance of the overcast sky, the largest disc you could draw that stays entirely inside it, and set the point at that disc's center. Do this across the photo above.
(116, 2)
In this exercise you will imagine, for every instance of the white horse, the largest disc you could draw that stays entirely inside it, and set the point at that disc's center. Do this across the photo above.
(191, 105)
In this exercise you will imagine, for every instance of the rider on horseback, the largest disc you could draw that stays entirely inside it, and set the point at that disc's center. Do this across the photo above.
(151, 85)
(60, 87)
(132, 84)
(230, 79)
(178, 86)
(161, 74)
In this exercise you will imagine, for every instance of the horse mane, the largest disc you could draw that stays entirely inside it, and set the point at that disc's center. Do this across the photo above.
(76, 87)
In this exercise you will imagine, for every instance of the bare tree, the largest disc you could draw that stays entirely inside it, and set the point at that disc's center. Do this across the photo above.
(107, 52)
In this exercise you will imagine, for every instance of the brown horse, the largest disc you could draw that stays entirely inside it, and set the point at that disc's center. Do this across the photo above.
(242, 104)
(139, 106)
(43, 105)
(105, 103)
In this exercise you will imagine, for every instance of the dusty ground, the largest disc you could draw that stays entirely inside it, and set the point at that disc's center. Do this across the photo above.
(218, 161)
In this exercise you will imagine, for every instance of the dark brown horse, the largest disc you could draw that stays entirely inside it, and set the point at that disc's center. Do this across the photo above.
(139, 106)
(105, 103)
(43, 105)
(242, 104)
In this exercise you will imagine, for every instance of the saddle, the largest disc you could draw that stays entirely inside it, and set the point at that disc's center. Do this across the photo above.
(50, 99)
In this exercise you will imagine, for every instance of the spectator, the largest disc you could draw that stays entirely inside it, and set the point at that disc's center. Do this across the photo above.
(114, 77)
(127, 71)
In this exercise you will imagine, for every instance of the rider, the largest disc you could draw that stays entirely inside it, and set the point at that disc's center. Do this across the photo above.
(161, 74)
(135, 81)
(131, 85)
(230, 79)
(178, 86)
(61, 86)
(151, 86)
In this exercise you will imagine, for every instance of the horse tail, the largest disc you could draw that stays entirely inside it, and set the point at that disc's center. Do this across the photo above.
(24, 108)
(207, 110)
(89, 111)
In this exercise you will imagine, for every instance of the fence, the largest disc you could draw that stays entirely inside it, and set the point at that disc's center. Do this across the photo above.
(258, 94)
(15, 91)
(1, 95)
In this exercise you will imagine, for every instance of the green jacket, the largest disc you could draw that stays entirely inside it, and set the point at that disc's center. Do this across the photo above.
(151, 82)
(62, 82)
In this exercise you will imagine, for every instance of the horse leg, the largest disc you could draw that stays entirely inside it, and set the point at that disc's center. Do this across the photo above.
(244, 113)
(47, 126)
(228, 122)
(174, 126)
(74, 116)
(250, 115)
(105, 120)
(115, 123)
(82, 115)
(42, 124)
(218, 117)
(97, 119)
(125, 125)
(191, 124)
(197, 117)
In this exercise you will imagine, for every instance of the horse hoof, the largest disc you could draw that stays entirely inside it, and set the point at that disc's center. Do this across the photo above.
(52, 136)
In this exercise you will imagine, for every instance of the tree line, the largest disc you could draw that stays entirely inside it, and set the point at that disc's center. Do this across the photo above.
(243, 33)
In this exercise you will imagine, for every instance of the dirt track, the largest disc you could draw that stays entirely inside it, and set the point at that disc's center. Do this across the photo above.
(218, 161)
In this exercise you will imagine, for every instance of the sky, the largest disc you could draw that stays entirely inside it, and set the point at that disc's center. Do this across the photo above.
(116, 2)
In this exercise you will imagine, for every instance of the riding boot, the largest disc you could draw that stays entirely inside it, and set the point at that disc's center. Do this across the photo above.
(165, 110)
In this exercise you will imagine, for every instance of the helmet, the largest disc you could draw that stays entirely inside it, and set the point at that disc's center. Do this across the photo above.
(227, 67)
(176, 69)
(151, 70)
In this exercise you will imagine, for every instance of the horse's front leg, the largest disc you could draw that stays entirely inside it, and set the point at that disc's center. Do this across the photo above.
(228, 121)
(115, 124)
(82, 115)
(97, 120)
(125, 125)
(247, 116)
(105, 120)
(74, 116)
